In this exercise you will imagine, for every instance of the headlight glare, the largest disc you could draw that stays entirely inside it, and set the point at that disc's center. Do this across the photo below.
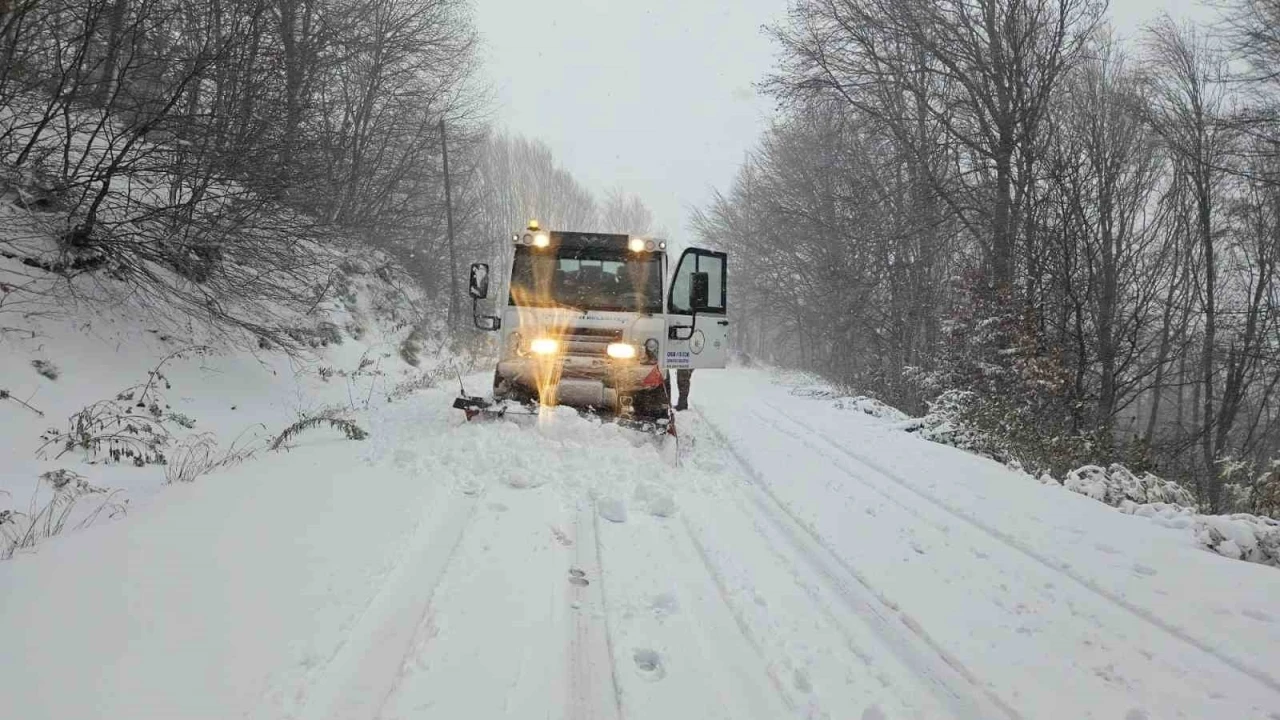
(544, 346)
(621, 351)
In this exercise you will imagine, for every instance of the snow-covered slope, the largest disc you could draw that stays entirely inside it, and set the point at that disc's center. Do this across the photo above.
(803, 561)
(59, 356)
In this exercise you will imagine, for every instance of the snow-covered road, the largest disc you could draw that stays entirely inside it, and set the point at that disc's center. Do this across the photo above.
(804, 561)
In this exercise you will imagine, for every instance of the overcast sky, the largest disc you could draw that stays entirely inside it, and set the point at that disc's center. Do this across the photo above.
(654, 96)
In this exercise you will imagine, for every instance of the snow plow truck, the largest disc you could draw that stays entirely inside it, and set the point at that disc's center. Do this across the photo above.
(597, 321)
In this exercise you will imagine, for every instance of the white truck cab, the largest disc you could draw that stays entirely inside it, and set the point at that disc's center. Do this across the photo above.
(595, 321)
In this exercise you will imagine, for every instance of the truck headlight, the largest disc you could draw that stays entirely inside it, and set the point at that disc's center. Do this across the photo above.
(621, 351)
(544, 346)
(651, 348)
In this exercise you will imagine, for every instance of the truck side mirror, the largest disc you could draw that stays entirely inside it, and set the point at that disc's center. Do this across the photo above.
(479, 287)
(699, 292)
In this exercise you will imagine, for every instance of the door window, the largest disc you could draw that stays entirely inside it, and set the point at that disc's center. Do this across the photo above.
(694, 261)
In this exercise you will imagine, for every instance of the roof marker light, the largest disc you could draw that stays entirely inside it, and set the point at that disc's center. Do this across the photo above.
(541, 240)
(636, 244)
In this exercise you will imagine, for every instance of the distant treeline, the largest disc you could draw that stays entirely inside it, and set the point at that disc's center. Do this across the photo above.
(1070, 240)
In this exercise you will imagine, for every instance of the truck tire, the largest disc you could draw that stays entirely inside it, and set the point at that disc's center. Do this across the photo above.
(497, 386)
(651, 404)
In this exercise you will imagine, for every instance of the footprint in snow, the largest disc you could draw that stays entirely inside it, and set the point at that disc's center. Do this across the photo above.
(1257, 615)
(1137, 714)
(560, 536)
(1144, 570)
(873, 713)
(649, 663)
(664, 605)
(1102, 547)
(578, 577)
(801, 681)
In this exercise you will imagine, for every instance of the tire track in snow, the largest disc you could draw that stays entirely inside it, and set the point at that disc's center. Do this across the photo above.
(367, 668)
(592, 693)
(1019, 547)
(702, 663)
(952, 683)
(717, 580)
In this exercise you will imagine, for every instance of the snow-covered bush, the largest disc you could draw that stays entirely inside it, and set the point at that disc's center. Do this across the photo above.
(331, 418)
(1248, 489)
(199, 455)
(947, 423)
(426, 379)
(1001, 391)
(871, 406)
(133, 426)
(49, 517)
(1241, 537)
(1116, 485)
(409, 349)
(843, 400)
(820, 391)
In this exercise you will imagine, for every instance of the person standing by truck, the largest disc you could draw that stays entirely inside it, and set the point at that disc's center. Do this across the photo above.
(683, 379)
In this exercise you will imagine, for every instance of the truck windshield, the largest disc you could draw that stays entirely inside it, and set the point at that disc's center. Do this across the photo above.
(587, 279)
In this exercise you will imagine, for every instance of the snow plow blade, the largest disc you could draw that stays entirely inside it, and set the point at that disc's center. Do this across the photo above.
(478, 408)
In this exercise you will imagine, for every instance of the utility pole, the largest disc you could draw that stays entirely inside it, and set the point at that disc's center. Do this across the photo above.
(448, 219)
(753, 340)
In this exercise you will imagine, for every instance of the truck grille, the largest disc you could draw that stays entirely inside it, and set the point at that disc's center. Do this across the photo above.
(593, 342)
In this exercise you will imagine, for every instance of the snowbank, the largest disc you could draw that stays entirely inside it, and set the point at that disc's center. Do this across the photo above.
(1164, 502)
(1240, 536)
(807, 386)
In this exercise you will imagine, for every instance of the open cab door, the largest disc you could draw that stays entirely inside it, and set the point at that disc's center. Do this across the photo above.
(697, 319)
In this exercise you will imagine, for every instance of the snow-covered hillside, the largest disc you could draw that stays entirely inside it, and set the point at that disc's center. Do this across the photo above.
(804, 560)
(168, 386)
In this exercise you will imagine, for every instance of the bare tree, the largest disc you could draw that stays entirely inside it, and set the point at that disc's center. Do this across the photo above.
(1188, 101)
(623, 212)
(984, 71)
(210, 153)
(1105, 166)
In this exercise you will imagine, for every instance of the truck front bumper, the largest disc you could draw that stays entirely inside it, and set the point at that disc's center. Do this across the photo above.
(580, 382)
